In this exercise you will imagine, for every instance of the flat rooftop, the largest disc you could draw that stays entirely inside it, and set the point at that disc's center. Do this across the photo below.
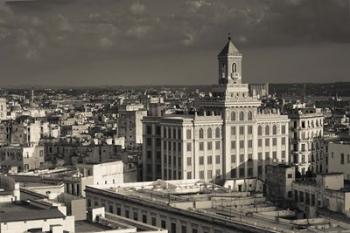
(85, 226)
(21, 211)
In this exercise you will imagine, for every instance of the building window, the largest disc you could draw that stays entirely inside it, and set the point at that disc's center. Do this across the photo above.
(201, 146)
(209, 133)
(189, 161)
(267, 142)
(210, 145)
(274, 156)
(210, 159)
(183, 229)
(250, 116)
(250, 143)
(217, 132)
(250, 129)
(274, 130)
(241, 144)
(233, 116)
(201, 133)
(342, 158)
(144, 218)
(217, 159)
(274, 141)
(233, 145)
(201, 160)
(283, 154)
(267, 130)
(233, 158)
(217, 145)
(188, 134)
(259, 142)
(241, 116)
(163, 224)
(241, 158)
(259, 130)
(173, 227)
(201, 175)
(154, 221)
(283, 142)
(283, 129)
(241, 130)
(189, 175)
(189, 146)
(260, 156)
(210, 174)
(149, 129)
(233, 130)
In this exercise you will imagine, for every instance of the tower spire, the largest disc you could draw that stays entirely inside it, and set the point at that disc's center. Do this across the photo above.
(230, 60)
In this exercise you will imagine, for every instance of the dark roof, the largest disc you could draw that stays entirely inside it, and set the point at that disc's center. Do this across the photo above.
(21, 212)
(229, 49)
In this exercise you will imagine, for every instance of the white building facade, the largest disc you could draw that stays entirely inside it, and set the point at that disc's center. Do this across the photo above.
(306, 139)
(228, 137)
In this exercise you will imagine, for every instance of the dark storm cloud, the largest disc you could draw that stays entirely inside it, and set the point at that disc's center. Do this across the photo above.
(45, 36)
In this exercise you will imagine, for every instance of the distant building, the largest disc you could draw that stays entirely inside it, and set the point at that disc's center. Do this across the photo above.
(130, 124)
(17, 158)
(228, 136)
(3, 109)
(325, 192)
(198, 207)
(30, 216)
(278, 182)
(94, 174)
(338, 159)
(306, 138)
(259, 89)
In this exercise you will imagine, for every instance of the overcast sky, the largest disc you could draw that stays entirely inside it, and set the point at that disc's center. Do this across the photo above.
(155, 42)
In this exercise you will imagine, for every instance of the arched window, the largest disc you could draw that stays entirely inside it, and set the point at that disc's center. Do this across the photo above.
(241, 116)
(259, 130)
(217, 132)
(210, 134)
(234, 68)
(201, 133)
(223, 72)
(267, 130)
(233, 116)
(274, 130)
(250, 116)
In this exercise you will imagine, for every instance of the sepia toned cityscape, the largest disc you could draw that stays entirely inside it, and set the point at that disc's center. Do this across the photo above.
(164, 116)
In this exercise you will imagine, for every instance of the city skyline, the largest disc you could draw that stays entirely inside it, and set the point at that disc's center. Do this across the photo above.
(76, 43)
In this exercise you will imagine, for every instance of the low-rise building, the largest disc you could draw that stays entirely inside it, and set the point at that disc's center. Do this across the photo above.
(326, 191)
(278, 182)
(198, 207)
(338, 159)
(21, 158)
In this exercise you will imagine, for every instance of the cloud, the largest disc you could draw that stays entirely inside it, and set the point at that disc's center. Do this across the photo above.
(137, 8)
(105, 42)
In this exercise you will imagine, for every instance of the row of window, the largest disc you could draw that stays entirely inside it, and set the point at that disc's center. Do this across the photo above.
(173, 225)
(274, 130)
(242, 116)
